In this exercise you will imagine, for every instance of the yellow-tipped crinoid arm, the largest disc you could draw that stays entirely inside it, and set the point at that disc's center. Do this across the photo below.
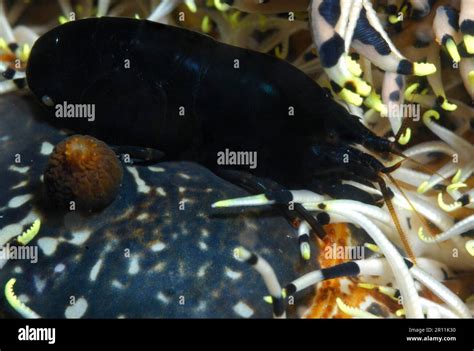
(15, 302)
(30, 233)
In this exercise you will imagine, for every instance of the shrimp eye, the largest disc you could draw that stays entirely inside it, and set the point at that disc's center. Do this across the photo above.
(47, 100)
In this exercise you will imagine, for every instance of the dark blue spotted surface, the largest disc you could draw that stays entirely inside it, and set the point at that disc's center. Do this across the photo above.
(144, 255)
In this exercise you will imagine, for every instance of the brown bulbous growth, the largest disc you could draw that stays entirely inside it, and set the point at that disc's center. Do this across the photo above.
(84, 170)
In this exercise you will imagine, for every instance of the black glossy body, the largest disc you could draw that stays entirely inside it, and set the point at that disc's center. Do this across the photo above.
(233, 98)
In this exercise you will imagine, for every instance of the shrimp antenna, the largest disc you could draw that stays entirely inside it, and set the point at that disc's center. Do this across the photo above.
(387, 196)
(421, 165)
(420, 217)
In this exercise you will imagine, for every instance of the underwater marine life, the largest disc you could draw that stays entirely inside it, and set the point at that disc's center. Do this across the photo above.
(352, 119)
(146, 100)
(167, 106)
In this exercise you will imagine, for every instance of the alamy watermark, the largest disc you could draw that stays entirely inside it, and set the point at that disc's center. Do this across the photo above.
(37, 334)
(412, 111)
(332, 252)
(30, 253)
(66, 110)
(237, 158)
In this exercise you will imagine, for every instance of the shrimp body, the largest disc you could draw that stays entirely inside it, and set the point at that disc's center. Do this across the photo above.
(192, 98)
